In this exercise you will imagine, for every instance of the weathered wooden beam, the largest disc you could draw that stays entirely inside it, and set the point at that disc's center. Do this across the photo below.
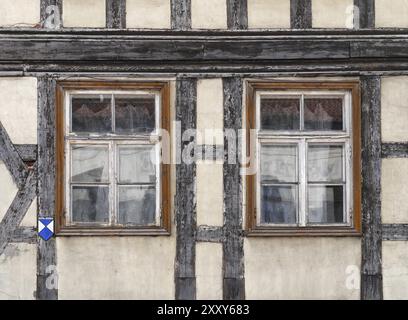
(17, 210)
(395, 232)
(27, 152)
(394, 150)
(11, 158)
(24, 235)
(116, 14)
(365, 16)
(237, 14)
(210, 234)
(301, 14)
(371, 267)
(181, 14)
(51, 14)
(210, 152)
(185, 198)
(46, 256)
(233, 246)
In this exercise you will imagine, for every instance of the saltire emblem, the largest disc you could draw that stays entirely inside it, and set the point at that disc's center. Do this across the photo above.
(46, 228)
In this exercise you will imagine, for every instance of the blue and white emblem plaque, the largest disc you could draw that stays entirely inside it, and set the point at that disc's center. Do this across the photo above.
(46, 228)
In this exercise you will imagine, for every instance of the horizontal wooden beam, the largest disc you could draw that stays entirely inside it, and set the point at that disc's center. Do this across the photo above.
(24, 235)
(83, 48)
(394, 150)
(395, 232)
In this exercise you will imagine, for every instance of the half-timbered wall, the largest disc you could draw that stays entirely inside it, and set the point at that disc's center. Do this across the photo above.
(207, 255)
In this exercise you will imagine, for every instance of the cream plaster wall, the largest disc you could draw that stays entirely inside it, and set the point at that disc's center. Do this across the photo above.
(395, 270)
(84, 13)
(392, 13)
(268, 14)
(209, 14)
(19, 13)
(332, 13)
(148, 14)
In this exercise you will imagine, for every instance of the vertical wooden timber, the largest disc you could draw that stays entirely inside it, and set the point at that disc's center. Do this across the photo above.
(233, 245)
(185, 201)
(116, 14)
(301, 14)
(237, 14)
(371, 264)
(181, 14)
(46, 255)
(364, 17)
(51, 14)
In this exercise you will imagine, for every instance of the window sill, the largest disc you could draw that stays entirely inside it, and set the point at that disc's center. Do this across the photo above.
(75, 231)
(303, 232)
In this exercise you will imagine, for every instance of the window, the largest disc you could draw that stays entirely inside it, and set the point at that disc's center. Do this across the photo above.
(305, 142)
(110, 176)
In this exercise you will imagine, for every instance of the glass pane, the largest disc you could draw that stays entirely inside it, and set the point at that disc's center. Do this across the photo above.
(323, 114)
(91, 113)
(90, 164)
(137, 205)
(325, 204)
(278, 163)
(280, 114)
(279, 204)
(90, 204)
(136, 164)
(135, 114)
(325, 163)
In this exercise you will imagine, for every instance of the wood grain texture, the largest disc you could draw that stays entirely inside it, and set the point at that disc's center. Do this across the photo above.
(371, 266)
(11, 158)
(25, 235)
(27, 152)
(237, 14)
(395, 232)
(46, 255)
(181, 14)
(185, 198)
(394, 150)
(366, 14)
(301, 14)
(233, 246)
(210, 234)
(17, 210)
(116, 14)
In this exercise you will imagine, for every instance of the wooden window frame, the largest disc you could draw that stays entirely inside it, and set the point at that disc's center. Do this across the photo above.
(252, 229)
(61, 228)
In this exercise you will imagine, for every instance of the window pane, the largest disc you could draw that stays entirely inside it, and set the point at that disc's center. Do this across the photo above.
(136, 164)
(323, 114)
(325, 163)
(91, 113)
(90, 204)
(90, 164)
(325, 204)
(279, 204)
(137, 205)
(135, 114)
(278, 163)
(280, 114)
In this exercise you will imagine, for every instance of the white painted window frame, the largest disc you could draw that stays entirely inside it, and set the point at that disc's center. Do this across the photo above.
(302, 139)
(113, 141)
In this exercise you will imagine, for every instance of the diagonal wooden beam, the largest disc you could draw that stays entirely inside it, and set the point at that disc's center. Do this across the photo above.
(11, 158)
(17, 210)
